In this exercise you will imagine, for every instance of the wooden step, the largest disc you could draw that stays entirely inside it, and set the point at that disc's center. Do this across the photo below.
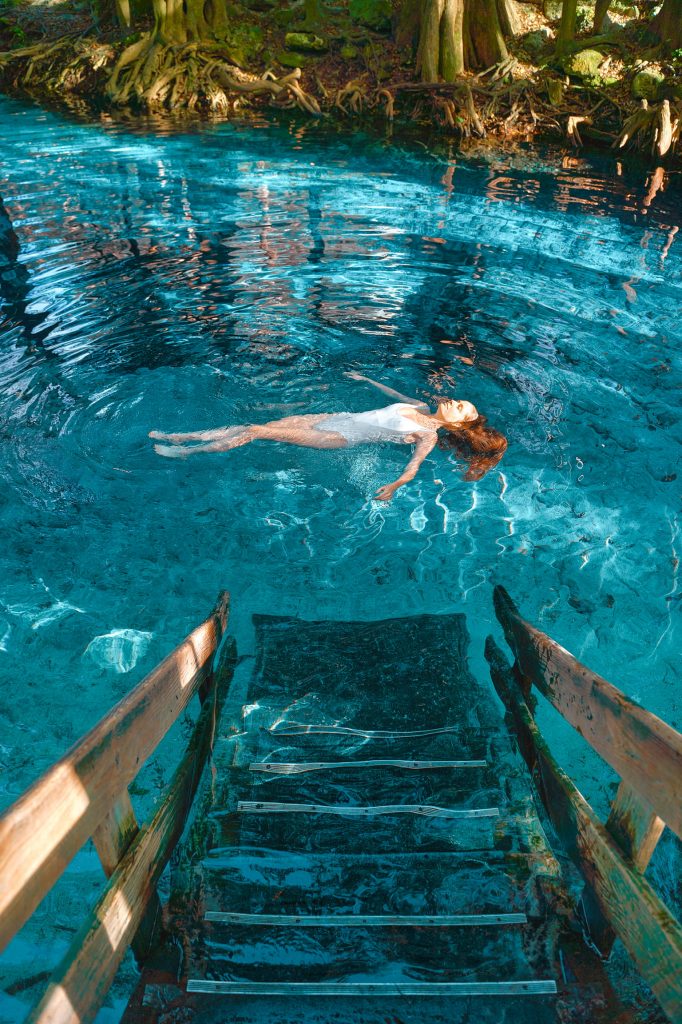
(276, 881)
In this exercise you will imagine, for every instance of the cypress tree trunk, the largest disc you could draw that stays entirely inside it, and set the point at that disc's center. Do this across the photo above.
(600, 11)
(668, 24)
(189, 21)
(486, 45)
(569, 16)
(455, 34)
(452, 40)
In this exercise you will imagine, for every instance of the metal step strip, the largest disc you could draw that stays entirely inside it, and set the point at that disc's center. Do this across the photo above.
(300, 768)
(301, 728)
(368, 920)
(407, 988)
(427, 810)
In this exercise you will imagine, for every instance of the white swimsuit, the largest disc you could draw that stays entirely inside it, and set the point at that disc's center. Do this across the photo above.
(388, 424)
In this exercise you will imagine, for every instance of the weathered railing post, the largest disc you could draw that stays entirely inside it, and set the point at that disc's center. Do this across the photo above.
(112, 840)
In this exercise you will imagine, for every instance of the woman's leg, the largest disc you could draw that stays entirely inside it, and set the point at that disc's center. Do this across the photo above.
(196, 435)
(298, 430)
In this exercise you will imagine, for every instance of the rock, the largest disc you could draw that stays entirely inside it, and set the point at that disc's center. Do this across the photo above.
(646, 85)
(349, 52)
(536, 42)
(374, 14)
(585, 65)
(305, 41)
(120, 650)
(290, 59)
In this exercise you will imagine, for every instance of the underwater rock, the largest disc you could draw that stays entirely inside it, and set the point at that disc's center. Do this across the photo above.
(120, 650)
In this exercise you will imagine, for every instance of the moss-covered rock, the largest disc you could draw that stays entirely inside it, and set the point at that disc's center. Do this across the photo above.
(374, 14)
(584, 65)
(537, 42)
(349, 52)
(291, 59)
(244, 43)
(646, 85)
(306, 42)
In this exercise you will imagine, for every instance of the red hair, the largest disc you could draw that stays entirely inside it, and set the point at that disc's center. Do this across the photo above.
(480, 446)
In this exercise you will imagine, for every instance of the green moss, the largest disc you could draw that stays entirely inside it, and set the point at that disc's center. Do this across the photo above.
(374, 14)
(305, 41)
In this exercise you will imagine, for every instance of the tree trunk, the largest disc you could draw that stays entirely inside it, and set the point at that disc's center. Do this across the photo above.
(189, 21)
(123, 13)
(600, 11)
(566, 33)
(452, 40)
(510, 21)
(668, 24)
(486, 45)
(455, 34)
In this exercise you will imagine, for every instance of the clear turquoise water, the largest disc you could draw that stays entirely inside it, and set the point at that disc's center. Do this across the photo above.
(160, 279)
(184, 280)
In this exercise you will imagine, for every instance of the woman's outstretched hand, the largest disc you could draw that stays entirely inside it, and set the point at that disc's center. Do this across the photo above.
(354, 375)
(386, 492)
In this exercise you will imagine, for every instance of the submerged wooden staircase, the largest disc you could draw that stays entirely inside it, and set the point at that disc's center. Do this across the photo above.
(368, 845)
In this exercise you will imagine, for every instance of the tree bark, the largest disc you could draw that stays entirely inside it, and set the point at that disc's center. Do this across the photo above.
(189, 21)
(123, 13)
(510, 22)
(569, 16)
(668, 24)
(486, 45)
(600, 11)
(452, 40)
(456, 34)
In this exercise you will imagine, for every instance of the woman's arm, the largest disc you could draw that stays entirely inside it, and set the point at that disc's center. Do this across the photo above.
(425, 444)
(388, 391)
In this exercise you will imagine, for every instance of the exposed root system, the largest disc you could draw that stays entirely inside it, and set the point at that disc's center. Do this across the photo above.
(150, 74)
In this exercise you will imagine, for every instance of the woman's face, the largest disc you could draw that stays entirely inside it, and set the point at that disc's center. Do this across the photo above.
(457, 411)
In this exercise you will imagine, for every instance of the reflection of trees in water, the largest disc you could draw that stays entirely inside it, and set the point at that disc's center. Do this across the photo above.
(15, 287)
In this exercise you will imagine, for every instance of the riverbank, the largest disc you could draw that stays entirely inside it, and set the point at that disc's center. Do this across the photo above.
(357, 63)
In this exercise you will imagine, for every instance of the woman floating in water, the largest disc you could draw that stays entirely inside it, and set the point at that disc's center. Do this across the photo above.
(407, 422)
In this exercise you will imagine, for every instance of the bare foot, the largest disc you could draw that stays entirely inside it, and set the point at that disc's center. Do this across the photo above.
(170, 452)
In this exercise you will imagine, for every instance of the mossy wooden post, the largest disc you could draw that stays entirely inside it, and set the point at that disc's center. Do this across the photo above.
(637, 829)
(112, 840)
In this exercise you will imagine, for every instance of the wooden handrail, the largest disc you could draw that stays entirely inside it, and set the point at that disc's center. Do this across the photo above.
(643, 750)
(78, 986)
(647, 928)
(48, 825)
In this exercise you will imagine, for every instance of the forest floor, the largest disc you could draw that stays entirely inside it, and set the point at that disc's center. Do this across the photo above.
(616, 89)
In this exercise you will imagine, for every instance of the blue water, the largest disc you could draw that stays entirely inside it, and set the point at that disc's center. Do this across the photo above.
(176, 280)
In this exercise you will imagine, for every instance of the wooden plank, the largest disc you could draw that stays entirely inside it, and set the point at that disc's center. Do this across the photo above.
(373, 988)
(80, 984)
(365, 920)
(45, 828)
(302, 767)
(112, 838)
(349, 811)
(115, 833)
(644, 751)
(637, 829)
(644, 924)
